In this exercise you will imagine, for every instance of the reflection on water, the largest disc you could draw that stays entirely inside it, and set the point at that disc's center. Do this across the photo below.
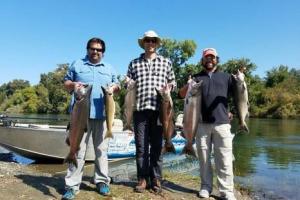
(267, 160)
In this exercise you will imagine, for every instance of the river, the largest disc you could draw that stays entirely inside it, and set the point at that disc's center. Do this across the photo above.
(267, 160)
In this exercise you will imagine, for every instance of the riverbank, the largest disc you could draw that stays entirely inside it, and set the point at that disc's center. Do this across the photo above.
(23, 182)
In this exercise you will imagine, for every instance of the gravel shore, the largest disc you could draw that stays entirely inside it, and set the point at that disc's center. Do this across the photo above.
(23, 182)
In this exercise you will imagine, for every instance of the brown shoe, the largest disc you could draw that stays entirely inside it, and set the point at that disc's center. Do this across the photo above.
(141, 186)
(156, 185)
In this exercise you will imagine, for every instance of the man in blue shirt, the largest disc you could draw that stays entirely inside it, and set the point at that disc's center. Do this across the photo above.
(91, 70)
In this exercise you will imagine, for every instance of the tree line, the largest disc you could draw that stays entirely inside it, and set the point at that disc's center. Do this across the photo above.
(275, 96)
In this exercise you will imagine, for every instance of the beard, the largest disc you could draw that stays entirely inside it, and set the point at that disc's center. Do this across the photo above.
(209, 66)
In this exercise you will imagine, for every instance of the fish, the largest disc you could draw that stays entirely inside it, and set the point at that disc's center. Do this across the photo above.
(166, 117)
(110, 108)
(79, 122)
(129, 104)
(241, 100)
(191, 115)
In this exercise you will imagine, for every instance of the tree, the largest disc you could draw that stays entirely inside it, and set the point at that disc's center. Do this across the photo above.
(231, 66)
(178, 52)
(30, 100)
(277, 75)
(43, 104)
(12, 86)
(58, 97)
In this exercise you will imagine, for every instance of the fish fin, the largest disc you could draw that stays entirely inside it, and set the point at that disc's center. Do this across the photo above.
(244, 129)
(67, 141)
(234, 76)
(244, 88)
(247, 115)
(158, 94)
(104, 90)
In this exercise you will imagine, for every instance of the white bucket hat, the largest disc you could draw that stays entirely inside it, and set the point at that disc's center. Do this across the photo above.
(149, 34)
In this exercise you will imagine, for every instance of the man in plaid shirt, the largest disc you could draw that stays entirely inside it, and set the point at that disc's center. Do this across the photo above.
(150, 71)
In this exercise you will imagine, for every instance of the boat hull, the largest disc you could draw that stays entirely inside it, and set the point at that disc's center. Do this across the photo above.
(48, 144)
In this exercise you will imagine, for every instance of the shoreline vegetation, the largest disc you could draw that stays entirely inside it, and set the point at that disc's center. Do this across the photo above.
(24, 182)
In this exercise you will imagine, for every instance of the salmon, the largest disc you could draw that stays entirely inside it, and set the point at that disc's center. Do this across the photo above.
(109, 111)
(79, 121)
(191, 115)
(166, 118)
(241, 100)
(129, 104)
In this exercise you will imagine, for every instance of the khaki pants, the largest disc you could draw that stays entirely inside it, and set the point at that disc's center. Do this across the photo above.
(218, 137)
(74, 175)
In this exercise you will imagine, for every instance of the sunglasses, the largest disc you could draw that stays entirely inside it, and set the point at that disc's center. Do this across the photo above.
(150, 40)
(95, 49)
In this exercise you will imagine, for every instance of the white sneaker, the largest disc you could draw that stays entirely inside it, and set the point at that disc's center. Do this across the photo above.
(203, 194)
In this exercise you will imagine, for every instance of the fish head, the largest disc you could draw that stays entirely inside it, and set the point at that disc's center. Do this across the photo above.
(195, 87)
(240, 76)
(106, 91)
(131, 84)
(82, 92)
(164, 92)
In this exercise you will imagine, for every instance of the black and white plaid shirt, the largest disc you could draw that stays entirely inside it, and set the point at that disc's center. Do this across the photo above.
(148, 76)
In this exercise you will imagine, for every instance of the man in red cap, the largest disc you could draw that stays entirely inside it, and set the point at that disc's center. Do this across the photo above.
(214, 129)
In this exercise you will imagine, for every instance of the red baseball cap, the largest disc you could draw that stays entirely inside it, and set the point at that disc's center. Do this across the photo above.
(209, 51)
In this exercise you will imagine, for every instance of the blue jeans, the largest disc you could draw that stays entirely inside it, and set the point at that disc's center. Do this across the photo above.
(148, 134)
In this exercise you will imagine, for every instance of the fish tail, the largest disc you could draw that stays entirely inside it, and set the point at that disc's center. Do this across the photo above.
(108, 134)
(168, 147)
(67, 141)
(71, 159)
(127, 127)
(244, 128)
(189, 150)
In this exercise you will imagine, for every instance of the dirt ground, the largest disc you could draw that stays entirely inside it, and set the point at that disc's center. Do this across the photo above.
(22, 182)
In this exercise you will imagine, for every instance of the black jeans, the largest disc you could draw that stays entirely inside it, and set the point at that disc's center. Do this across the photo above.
(147, 133)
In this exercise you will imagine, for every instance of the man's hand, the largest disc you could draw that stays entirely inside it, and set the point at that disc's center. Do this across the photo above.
(77, 85)
(113, 88)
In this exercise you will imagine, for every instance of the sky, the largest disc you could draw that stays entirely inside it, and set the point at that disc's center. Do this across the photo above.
(37, 35)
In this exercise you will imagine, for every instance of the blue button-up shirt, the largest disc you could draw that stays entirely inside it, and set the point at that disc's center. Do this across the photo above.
(99, 74)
